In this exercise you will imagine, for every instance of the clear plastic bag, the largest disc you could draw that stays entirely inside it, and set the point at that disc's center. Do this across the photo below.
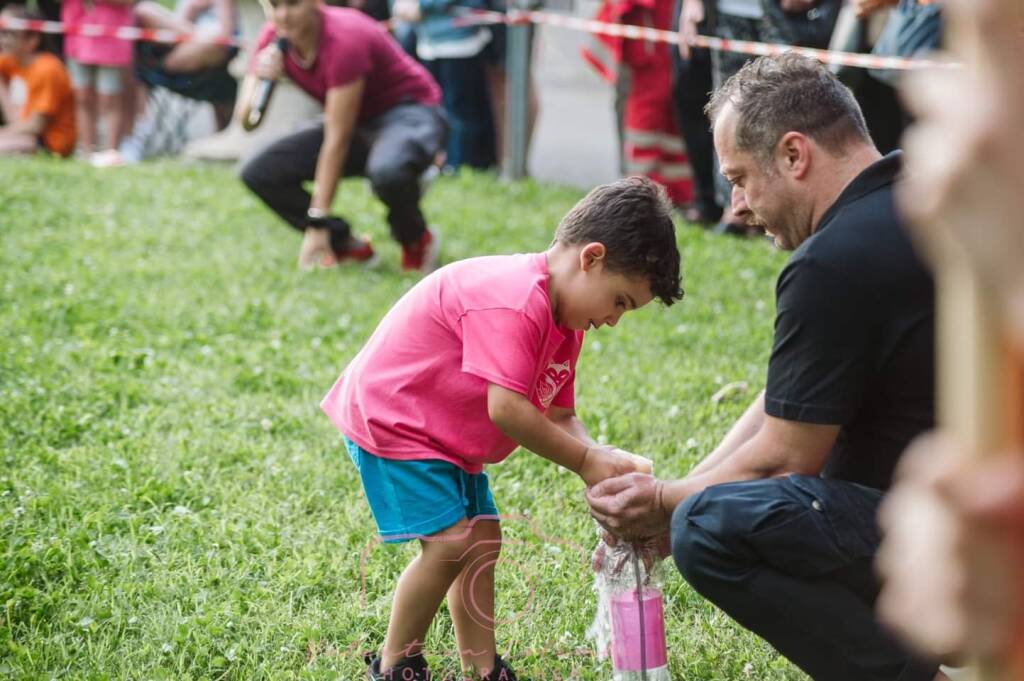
(630, 622)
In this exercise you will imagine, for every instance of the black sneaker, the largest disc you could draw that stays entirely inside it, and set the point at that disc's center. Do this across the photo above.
(409, 669)
(500, 672)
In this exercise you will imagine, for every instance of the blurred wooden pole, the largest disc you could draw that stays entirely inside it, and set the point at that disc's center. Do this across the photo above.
(981, 373)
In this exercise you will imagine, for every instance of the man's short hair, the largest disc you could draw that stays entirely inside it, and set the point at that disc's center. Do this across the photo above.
(633, 219)
(789, 92)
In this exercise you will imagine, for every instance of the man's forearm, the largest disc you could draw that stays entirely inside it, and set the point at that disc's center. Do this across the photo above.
(745, 463)
(741, 432)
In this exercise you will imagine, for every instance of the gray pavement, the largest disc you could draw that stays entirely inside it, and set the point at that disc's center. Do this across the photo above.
(574, 141)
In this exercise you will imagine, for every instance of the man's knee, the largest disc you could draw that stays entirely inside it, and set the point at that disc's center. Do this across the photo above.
(391, 179)
(689, 543)
(253, 174)
(711, 530)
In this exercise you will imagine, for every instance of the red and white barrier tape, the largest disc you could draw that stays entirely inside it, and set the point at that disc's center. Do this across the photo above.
(513, 17)
(868, 61)
(132, 33)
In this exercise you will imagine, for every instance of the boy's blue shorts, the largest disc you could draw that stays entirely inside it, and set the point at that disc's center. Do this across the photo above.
(414, 499)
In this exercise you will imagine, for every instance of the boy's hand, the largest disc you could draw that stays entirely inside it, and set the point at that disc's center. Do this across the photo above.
(603, 462)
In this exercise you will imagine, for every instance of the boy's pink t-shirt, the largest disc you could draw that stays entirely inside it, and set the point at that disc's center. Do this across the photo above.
(353, 46)
(418, 389)
(95, 50)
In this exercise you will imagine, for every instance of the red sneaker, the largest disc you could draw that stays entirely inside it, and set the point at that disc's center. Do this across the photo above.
(360, 252)
(421, 256)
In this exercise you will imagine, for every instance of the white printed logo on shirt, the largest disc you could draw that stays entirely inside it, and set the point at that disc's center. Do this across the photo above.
(551, 381)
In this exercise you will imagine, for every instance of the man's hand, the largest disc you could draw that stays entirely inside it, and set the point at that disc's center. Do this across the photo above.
(316, 248)
(603, 462)
(630, 506)
(269, 62)
(691, 14)
(407, 10)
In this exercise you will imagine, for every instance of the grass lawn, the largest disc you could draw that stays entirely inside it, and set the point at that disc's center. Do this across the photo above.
(173, 504)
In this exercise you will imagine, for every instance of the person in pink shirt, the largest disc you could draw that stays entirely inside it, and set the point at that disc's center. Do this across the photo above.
(382, 120)
(477, 359)
(98, 67)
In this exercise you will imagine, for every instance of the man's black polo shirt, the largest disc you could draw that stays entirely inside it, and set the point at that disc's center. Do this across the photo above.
(854, 332)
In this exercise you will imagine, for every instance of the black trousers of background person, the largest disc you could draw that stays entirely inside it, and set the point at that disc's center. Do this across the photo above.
(791, 560)
(691, 91)
(391, 150)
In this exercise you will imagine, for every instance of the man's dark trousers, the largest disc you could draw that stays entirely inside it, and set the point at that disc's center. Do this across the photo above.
(791, 560)
(391, 150)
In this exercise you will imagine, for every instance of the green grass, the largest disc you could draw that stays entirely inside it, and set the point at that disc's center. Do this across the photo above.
(174, 505)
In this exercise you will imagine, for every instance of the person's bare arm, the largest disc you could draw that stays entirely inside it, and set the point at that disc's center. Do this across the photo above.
(35, 124)
(639, 506)
(745, 428)
(341, 109)
(779, 447)
(516, 416)
(567, 420)
(690, 15)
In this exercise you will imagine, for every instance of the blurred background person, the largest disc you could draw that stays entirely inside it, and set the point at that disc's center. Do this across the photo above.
(36, 100)
(195, 70)
(382, 120)
(651, 143)
(98, 67)
(691, 92)
(804, 23)
(455, 56)
(497, 77)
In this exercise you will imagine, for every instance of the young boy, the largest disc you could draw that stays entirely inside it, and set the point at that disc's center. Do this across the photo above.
(36, 100)
(476, 359)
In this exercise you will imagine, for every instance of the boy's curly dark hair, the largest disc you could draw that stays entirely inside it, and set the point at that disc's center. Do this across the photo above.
(633, 219)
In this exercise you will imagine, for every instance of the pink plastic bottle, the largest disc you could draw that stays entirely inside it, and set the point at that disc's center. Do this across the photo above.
(639, 652)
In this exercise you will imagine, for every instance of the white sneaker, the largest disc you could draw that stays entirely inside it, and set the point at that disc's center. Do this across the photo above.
(111, 158)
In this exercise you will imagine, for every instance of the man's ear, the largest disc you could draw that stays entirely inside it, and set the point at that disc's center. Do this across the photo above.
(592, 254)
(794, 154)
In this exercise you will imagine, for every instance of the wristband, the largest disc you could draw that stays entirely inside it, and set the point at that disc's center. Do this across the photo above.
(316, 217)
(659, 497)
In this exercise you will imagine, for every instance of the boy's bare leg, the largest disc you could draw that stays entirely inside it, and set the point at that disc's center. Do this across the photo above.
(420, 590)
(471, 599)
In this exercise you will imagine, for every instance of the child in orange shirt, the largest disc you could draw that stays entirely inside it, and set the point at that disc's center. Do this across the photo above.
(36, 99)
